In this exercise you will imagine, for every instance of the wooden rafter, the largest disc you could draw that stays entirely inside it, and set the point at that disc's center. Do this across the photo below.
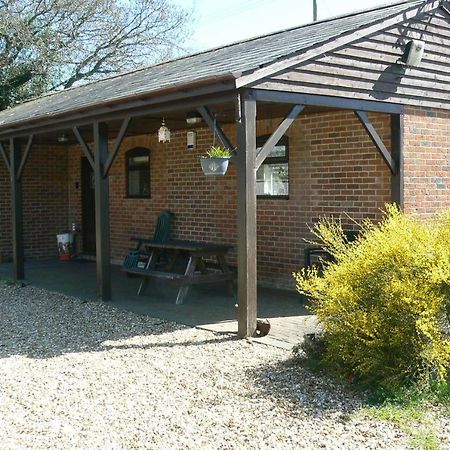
(113, 153)
(278, 134)
(5, 156)
(160, 105)
(375, 137)
(84, 146)
(214, 126)
(327, 101)
(25, 156)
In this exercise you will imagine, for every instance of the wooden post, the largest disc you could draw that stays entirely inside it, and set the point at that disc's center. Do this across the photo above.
(16, 203)
(397, 145)
(102, 232)
(246, 215)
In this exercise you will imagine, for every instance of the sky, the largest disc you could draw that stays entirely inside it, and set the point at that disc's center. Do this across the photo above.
(218, 23)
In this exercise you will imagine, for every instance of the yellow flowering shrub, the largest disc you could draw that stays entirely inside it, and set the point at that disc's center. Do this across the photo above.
(384, 303)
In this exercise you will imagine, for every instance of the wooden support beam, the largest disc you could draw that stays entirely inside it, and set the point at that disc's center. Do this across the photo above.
(397, 179)
(84, 146)
(16, 203)
(25, 157)
(374, 136)
(112, 155)
(246, 215)
(102, 231)
(5, 156)
(159, 105)
(326, 101)
(278, 134)
(215, 127)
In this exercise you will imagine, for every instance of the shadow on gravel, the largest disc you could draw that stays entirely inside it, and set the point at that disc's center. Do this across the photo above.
(217, 340)
(41, 324)
(304, 391)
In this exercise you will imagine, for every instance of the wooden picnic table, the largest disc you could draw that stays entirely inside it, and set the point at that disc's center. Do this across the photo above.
(206, 264)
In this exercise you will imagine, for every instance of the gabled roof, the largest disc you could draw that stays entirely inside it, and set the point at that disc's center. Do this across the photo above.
(233, 62)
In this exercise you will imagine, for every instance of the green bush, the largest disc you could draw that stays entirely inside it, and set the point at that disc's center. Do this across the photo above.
(384, 303)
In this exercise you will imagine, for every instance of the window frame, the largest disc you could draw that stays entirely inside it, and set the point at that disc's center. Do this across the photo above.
(137, 151)
(284, 140)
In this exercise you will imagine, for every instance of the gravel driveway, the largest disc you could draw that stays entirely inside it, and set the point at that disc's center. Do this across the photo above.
(77, 375)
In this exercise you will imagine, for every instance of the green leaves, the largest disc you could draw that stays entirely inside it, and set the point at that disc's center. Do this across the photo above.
(218, 152)
(50, 44)
(384, 302)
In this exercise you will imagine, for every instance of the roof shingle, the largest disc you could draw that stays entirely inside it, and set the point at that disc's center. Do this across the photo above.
(233, 60)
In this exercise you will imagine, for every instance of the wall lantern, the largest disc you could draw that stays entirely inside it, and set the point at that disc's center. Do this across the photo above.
(163, 133)
(193, 118)
(191, 140)
(63, 138)
(413, 53)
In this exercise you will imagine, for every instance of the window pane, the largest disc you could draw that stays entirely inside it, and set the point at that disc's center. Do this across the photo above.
(138, 160)
(279, 151)
(138, 182)
(272, 179)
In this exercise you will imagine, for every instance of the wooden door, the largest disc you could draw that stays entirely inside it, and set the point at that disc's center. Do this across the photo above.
(88, 207)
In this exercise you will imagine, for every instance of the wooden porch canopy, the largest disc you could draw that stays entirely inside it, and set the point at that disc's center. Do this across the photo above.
(263, 71)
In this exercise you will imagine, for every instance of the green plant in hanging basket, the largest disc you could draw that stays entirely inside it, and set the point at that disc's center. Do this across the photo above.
(215, 162)
(218, 152)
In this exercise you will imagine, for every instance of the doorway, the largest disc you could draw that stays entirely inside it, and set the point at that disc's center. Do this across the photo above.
(88, 207)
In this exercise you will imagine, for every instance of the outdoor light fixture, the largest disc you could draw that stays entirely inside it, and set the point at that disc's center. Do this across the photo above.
(163, 133)
(191, 140)
(413, 53)
(63, 138)
(192, 118)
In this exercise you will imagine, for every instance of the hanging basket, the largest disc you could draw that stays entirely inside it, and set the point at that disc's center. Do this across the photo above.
(214, 166)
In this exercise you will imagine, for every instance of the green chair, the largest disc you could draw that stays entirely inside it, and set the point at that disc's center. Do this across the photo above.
(137, 256)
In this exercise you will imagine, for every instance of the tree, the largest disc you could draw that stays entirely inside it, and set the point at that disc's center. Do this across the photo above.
(55, 44)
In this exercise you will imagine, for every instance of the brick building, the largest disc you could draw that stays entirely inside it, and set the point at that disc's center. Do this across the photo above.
(368, 129)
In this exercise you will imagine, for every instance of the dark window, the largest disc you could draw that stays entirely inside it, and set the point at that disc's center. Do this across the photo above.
(272, 178)
(138, 172)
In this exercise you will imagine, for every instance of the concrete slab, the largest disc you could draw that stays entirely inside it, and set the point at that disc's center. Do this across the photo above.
(209, 306)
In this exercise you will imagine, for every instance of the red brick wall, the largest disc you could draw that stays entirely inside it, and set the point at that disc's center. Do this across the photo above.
(45, 203)
(427, 161)
(334, 170)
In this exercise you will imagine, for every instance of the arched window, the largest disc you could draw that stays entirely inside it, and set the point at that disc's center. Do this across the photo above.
(272, 178)
(138, 172)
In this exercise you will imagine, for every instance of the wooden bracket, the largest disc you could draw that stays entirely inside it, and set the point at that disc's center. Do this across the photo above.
(84, 146)
(23, 160)
(25, 157)
(5, 157)
(112, 155)
(278, 134)
(215, 127)
(374, 136)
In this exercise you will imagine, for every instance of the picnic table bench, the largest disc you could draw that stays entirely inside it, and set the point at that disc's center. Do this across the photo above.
(206, 264)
